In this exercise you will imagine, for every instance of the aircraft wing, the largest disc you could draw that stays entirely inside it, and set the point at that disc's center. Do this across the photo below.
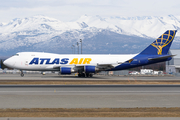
(100, 66)
(105, 66)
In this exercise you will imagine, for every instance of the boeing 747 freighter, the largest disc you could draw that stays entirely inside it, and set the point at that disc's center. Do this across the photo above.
(87, 64)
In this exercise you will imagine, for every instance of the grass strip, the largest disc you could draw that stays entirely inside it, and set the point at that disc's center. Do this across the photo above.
(91, 112)
(88, 82)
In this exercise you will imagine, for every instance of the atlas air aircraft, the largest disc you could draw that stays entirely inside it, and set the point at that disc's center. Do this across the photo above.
(87, 65)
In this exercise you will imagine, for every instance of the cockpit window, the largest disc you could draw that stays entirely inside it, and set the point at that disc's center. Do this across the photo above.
(16, 55)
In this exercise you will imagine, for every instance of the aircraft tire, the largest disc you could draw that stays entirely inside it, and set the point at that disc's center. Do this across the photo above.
(79, 75)
(22, 75)
(87, 74)
(83, 75)
(90, 75)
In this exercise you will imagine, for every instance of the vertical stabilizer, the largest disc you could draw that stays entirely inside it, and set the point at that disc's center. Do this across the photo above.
(161, 45)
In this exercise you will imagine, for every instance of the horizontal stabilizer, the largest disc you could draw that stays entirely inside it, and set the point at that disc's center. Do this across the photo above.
(160, 58)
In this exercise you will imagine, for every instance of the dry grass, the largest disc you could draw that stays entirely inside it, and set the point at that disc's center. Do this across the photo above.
(88, 82)
(91, 112)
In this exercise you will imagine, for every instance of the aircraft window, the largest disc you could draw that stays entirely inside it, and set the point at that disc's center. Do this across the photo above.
(16, 55)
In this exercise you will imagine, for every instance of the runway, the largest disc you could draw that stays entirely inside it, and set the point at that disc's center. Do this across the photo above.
(73, 77)
(89, 96)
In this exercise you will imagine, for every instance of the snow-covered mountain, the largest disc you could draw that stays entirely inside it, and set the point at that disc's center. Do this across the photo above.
(100, 35)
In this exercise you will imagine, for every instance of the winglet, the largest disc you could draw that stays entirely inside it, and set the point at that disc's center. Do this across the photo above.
(161, 45)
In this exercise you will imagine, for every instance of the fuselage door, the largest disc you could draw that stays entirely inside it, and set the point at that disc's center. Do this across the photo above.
(26, 62)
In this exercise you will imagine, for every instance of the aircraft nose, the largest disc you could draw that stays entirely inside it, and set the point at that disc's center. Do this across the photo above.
(7, 62)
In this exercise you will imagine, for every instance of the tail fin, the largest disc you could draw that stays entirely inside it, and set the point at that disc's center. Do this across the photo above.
(161, 45)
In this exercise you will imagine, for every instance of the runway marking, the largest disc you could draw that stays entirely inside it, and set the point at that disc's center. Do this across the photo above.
(91, 91)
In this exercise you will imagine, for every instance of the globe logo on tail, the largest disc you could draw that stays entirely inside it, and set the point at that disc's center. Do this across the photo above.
(163, 41)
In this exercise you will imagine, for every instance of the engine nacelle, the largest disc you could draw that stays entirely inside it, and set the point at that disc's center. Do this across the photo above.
(66, 70)
(90, 69)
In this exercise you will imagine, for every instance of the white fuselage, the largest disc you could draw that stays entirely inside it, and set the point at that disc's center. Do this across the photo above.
(48, 61)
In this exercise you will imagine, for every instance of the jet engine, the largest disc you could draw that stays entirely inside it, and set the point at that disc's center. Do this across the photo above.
(66, 70)
(90, 69)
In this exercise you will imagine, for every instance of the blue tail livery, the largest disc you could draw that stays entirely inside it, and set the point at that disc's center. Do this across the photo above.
(161, 45)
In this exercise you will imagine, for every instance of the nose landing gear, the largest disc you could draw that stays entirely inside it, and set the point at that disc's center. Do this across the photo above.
(22, 74)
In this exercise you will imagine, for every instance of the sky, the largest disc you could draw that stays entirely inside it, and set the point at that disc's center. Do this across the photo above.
(70, 10)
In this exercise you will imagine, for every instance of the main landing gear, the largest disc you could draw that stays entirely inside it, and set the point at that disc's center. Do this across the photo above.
(85, 75)
(22, 74)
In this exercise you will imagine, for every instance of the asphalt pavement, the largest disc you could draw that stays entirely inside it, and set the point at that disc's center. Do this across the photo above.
(89, 96)
(74, 77)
